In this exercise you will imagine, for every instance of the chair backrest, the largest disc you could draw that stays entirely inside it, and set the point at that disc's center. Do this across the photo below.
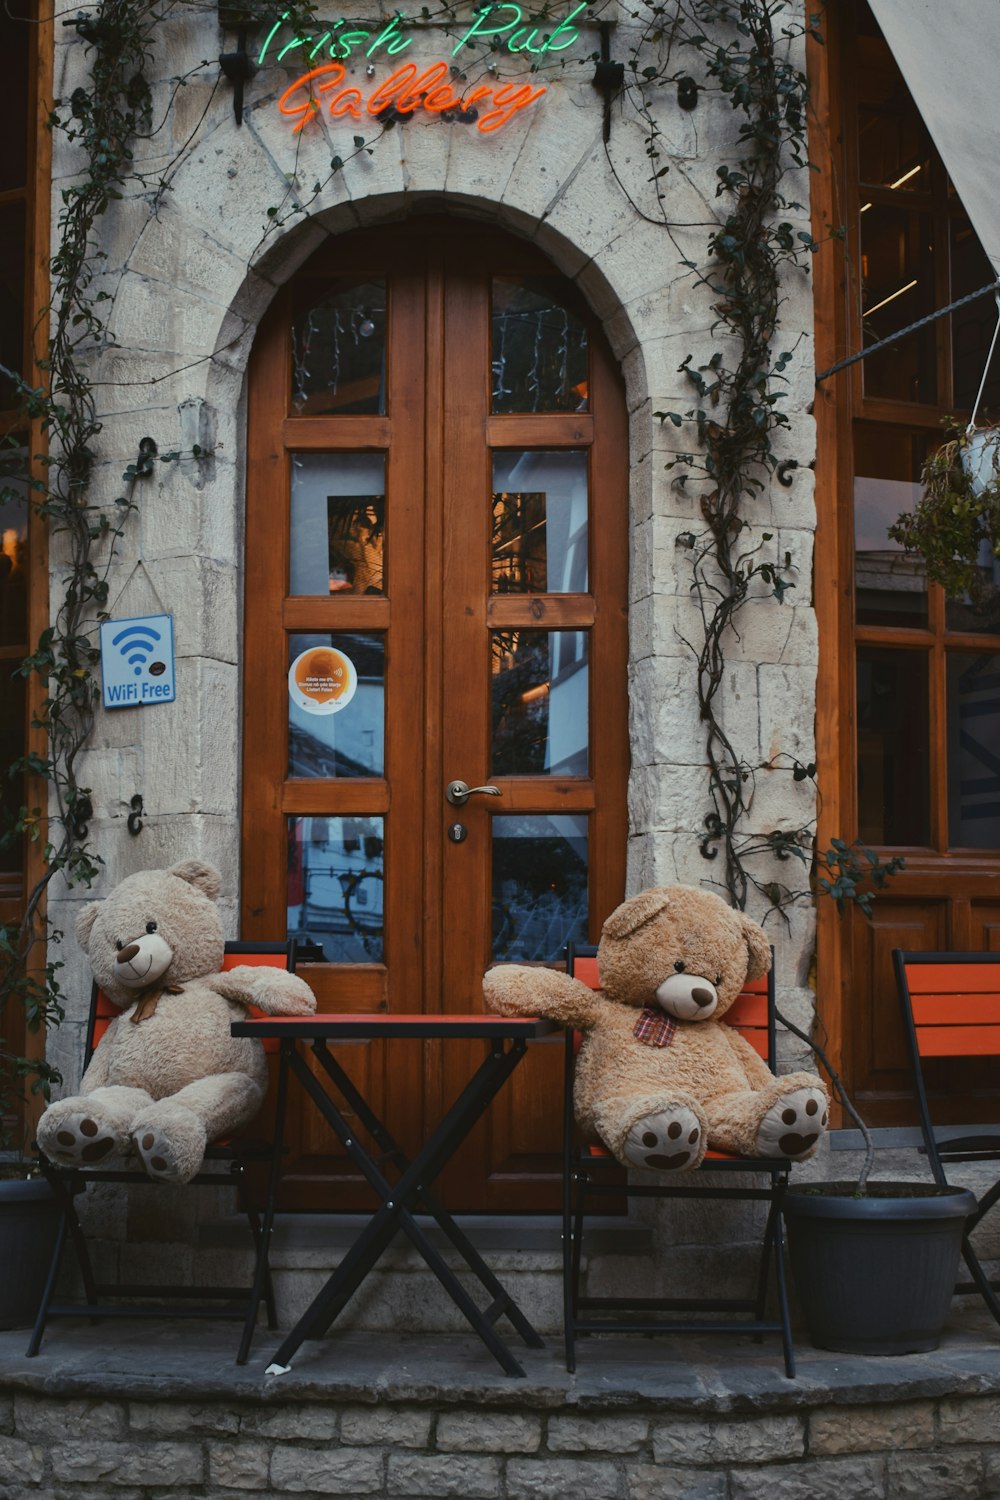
(277, 955)
(751, 1014)
(951, 1008)
(951, 1003)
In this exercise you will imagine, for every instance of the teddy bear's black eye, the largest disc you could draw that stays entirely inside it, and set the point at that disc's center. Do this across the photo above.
(679, 966)
(150, 926)
(119, 945)
(718, 980)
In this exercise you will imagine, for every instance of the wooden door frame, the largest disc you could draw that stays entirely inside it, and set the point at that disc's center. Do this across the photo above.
(271, 434)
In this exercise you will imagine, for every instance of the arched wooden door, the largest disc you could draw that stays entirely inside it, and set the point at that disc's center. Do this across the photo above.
(436, 582)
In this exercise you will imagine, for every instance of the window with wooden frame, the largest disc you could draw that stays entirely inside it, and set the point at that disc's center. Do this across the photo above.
(25, 42)
(910, 681)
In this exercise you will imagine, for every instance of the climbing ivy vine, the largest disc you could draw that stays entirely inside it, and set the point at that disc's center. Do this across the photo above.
(743, 52)
(101, 121)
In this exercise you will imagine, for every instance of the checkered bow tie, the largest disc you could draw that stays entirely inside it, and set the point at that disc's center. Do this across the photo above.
(654, 1029)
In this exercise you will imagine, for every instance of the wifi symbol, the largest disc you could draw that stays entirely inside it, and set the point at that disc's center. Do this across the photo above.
(136, 645)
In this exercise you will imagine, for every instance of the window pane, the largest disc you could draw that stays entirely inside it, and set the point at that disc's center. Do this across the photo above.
(972, 326)
(894, 149)
(974, 751)
(338, 349)
(540, 703)
(897, 287)
(336, 705)
(893, 750)
(13, 563)
(338, 523)
(539, 523)
(11, 296)
(14, 38)
(539, 886)
(539, 349)
(890, 586)
(12, 733)
(336, 877)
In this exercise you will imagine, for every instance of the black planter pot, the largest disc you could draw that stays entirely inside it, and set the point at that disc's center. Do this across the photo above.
(875, 1275)
(29, 1219)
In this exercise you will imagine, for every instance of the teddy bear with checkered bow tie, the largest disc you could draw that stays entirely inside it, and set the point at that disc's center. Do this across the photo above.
(660, 1077)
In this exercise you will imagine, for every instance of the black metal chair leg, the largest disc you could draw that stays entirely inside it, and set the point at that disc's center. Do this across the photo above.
(50, 1286)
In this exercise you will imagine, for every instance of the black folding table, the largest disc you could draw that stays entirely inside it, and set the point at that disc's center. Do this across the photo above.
(508, 1037)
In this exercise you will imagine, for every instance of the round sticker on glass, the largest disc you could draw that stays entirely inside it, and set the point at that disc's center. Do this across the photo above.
(322, 680)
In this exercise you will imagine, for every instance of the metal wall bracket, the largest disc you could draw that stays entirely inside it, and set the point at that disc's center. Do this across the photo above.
(135, 816)
(239, 69)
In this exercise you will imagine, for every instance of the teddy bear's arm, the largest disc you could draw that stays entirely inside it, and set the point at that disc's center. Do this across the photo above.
(758, 1074)
(272, 990)
(517, 990)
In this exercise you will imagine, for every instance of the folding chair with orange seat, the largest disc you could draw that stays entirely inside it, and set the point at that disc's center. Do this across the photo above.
(589, 1172)
(226, 1164)
(951, 1009)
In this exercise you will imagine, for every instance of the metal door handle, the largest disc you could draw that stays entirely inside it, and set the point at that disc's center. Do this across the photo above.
(459, 792)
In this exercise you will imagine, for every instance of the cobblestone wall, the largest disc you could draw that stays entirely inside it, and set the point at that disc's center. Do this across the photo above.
(138, 1450)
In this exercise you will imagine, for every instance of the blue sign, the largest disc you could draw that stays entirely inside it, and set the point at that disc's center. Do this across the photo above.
(137, 661)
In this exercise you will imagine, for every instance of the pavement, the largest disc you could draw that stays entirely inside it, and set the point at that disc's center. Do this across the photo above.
(195, 1360)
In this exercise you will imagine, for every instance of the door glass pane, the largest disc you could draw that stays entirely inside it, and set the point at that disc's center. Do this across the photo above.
(338, 349)
(336, 705)
(974, 751)
(540, 703)
(539, 523)
(539, 349)
(338, 523)
(539, 886)
(336, 877)
(13, 562)
(893, 750)
(897, 287)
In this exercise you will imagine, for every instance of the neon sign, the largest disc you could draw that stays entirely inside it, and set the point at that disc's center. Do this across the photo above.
(507, 23)
(406, 90)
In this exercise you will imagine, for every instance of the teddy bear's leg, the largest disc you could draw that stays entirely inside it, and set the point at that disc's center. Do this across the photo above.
(784, 1120)
(794, 1123)
(171, 1135)
(85, 1129)
(657, 1132)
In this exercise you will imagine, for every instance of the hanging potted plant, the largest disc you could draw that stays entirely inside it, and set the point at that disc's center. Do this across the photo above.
(874, 1263)
(955, 526)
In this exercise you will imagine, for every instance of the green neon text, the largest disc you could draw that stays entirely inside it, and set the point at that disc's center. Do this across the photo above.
(506, 23)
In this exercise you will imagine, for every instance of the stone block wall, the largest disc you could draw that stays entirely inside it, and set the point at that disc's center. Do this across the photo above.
(945, 1448)
(189, 279)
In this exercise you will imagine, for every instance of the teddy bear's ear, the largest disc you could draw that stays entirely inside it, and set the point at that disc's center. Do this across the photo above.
(758, 947)
(205, 877)
(85, 919)
(633, 914)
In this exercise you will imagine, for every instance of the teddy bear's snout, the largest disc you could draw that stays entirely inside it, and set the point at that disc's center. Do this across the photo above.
(687, 997)
(142, 962)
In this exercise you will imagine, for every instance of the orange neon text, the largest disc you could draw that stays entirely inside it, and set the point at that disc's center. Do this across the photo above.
(407, 89)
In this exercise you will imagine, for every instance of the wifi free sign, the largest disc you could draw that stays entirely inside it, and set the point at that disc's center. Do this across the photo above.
(137, 661)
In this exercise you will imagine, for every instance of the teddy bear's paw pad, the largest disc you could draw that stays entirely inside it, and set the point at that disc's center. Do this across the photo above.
(665, 1142)
(158, 1156)
(792, 1127)
(81, 1141)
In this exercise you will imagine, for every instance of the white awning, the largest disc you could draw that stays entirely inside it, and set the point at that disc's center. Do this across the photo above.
(949, 55)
